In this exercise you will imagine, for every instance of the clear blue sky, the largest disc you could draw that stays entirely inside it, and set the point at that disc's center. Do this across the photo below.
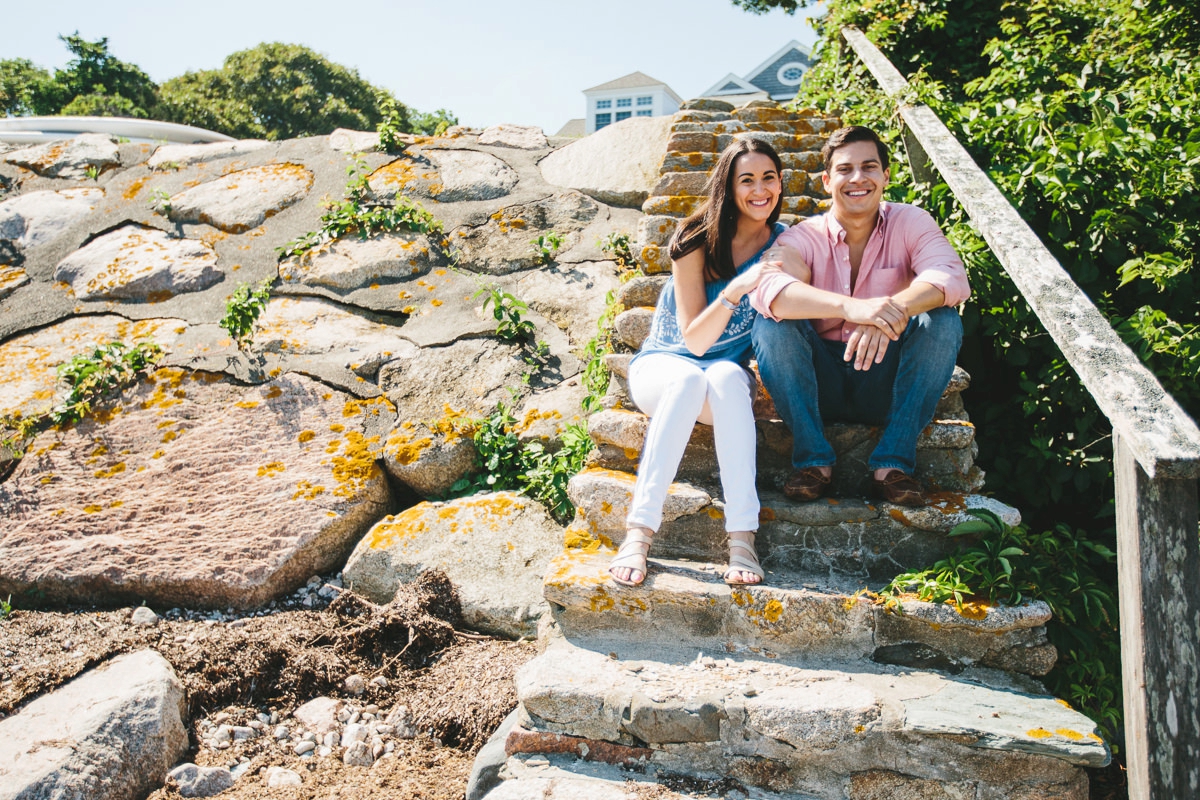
(488, 61)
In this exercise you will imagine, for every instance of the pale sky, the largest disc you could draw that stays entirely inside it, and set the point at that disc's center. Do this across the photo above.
(522, 61)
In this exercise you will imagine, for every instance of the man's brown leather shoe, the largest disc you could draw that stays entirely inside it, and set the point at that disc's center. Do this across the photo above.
(900, 488)
(806, 484)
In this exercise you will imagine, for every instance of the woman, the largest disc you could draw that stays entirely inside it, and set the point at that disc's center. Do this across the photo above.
(690, 367)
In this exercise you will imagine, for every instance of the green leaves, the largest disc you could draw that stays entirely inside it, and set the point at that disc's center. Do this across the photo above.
(243, 309)
(89, 378)
(508, 310)
(546, 246)
(357, 214)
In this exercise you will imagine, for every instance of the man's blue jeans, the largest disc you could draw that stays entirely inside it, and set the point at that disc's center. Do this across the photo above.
(811, 384)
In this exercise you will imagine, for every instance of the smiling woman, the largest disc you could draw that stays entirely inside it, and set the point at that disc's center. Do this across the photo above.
(691, 368)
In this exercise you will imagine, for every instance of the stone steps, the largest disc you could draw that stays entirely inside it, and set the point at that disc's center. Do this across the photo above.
(827, 731)
(831, 536)
(799, 617)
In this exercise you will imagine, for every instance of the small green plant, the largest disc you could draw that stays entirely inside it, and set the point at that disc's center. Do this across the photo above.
(509, 311)
(243, 309)
(503, 462)
(5, 607)
(616, 245)
(546, 246)
(595, 371)
(160, 201)
(390, 126)
(89, 378)
(168, 166)
(93, 172)
(356, 213)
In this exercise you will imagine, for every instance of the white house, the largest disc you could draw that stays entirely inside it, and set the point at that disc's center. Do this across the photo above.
(635, 95)
(777, 78)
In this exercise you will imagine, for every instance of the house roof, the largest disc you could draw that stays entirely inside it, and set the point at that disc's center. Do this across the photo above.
(634, 80)
(573, 127)
(754, 73)
(730, 84)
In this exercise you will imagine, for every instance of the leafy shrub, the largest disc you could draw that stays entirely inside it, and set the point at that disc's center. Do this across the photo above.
(546, 246)
(243, 309)
(392, 124)
(617, 245)
(504, 463)
(358, 214)
(89, 378)
(508, 310)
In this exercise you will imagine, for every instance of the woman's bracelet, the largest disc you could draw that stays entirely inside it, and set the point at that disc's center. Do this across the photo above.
(725, 301)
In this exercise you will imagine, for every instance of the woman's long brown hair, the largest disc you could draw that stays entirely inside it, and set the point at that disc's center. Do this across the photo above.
(713, 225)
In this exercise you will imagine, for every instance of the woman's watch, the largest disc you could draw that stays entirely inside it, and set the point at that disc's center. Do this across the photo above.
(726, 302)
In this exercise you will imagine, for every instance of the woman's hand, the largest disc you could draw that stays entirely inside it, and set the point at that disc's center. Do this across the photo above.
(789, 260)
(743, 284)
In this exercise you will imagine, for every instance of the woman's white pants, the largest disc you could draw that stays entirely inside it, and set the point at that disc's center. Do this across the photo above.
(677, 393)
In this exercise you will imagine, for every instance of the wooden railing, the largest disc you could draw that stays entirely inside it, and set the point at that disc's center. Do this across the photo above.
(1156, 462)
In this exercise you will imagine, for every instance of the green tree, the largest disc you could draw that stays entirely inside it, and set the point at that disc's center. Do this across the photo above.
(766, 6)
(24, 88)
(272, 91)
(94, 72)
(432, 123)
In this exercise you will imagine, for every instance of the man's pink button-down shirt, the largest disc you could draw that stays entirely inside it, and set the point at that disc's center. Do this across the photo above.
(906, 247)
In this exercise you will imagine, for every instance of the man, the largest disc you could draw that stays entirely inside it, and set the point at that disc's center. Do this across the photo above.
(865, 329)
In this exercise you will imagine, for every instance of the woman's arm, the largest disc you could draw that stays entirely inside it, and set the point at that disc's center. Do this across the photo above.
(701, 322)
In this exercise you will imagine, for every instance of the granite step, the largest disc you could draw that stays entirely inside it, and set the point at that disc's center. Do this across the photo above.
(844, 537)
(684, 161)
(821, 731)
(796, 616)
(571, 777)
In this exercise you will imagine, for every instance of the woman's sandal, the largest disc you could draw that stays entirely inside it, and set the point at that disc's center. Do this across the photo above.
(743, 558)
(632, 555)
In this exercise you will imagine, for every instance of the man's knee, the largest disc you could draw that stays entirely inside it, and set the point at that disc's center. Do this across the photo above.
(770, 337)
(939, 328)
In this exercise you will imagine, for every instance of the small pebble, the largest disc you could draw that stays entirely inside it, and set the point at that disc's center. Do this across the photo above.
(379, 681)
(356, 684)
(324, 751)
(305, 746)
(281, 732)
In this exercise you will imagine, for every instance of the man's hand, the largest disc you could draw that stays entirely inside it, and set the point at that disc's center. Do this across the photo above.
(867, 345)
(883, 313)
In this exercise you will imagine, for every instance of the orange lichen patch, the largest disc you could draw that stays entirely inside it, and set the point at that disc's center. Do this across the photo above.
(400, 173)
(600, 601)
(973, 610)
(371, 405)
(766, 514)
(605, 507)
(307, 491)
(714, 512)
(1039, 733)
(356, 465)
(439, 272)
(247, 404)
(47, 478)
(115, 469)
(948, 502)
(409, 310)
(92, 509)
(135, 187)
(158, 454)
(898, 515)
(1062, 702)
(337, 427)
(578, 537)
(270, 469)
(407, 524)
(306, 436)
(859, 728)
(404, 295)
(170, 436)
(632, 453)
(1067, 733)
(212, 237)
(406, 450)
(506, 221)
(435, 302)
(99, 451)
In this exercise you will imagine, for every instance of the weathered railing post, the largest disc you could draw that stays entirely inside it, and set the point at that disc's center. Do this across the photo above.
(1156, 463)
(1158, 566)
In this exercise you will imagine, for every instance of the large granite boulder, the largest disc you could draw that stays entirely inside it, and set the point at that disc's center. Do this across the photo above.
(69, 158)
(29, 220)
(137, 263)
(493, 547)
(110, 734)
(191, 490)
(242, 200)
(617, 164)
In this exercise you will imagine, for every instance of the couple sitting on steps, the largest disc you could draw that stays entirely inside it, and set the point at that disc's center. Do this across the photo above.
(850, 315)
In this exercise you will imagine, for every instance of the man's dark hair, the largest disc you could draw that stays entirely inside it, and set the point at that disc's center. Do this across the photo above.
(848, 135)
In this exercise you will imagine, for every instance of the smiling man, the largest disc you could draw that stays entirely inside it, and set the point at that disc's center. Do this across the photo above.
(871, 335)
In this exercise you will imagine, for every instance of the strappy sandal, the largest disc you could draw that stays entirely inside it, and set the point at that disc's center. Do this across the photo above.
(743, 558)
(632, 555)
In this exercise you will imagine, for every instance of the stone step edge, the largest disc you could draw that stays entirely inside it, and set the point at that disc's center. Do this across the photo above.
(790, 615)
(636, 698)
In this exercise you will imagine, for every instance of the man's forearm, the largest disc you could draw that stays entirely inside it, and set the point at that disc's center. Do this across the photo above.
(804, 301)
(920, 297)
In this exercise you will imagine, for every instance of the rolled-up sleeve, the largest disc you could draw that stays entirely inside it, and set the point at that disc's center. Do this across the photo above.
(767, 290)
(934, 260)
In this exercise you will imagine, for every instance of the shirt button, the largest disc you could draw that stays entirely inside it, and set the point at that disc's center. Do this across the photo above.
(846, 286)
